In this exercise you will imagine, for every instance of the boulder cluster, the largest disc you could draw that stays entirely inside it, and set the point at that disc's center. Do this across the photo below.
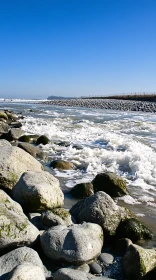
(40, 239)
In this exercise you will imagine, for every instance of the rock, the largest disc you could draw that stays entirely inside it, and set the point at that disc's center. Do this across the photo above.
(3, 115)
(138, 261)
(64, 143)
(133, 229)
(25, 138)
(18, 256)
(110, 183)
(151, 275)
(102, 210)
(95, 268)
(3, 128)
(35, 219)
(57, 216)
(4, 142)
(61, 164)
(32, 150)
(83, 267)
(72, 274)
(38, 191)
(13, 162)
(26, 271)
(11, 115)
(121, 246)
(15, 124)
(42, 140)
(106, 258)
(75, 244)
(77, 147)
(82, 190)
(15, 228)
(14, 134)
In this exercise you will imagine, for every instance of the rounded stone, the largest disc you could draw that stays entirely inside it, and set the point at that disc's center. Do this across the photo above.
(106, 258)
(95, 268)
(26, 271)
(42, 140)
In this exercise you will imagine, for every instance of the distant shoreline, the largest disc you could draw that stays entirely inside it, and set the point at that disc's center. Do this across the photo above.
(111, 104)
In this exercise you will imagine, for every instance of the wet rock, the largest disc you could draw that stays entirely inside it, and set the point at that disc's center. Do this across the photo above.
(138, 261)
(3, 115)
(32, 150)
(57, 216)
(134, 230)
(15, 124)
(100, 209)
(82, 190)
(15, 228)
(110, 183)
(64, 143)
(11, 115)
(77, 147)
(106, 258)
(75, 244)
(61, 164)
(95, 268)
(14, 134)
(121, 246)
(26, 271)
(25, 138)
(13, 162)
(3, 128)
(38, 191)
(71, 274)
(42, 140)
(18, 256)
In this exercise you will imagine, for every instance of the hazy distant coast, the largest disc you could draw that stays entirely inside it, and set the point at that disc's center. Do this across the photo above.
(112, 104)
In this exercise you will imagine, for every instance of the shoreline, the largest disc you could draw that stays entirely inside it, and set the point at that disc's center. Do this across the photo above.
(111, 104)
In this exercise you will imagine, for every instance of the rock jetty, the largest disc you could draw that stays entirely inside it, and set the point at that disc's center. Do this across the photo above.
(111, 104)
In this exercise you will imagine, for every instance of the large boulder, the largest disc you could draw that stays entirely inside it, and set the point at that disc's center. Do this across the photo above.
(4, 142)
(74, 244)
(138, 261)
(26, 271)
(13, 163)
(133, 229)
(102, 210)
(110, 183)
(15, 228)
(18, 256)
(32, 150)
(82, 190)
(3, 128)
(55, 217)
(61, 164)
(38, 191)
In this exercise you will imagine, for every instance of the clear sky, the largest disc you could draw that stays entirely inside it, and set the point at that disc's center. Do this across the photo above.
(76, 47)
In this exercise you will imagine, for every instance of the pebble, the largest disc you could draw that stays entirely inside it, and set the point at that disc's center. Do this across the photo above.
(95, 268)
(106, 258)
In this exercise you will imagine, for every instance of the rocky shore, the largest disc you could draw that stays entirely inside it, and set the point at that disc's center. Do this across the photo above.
(40, 239)
(122, 105)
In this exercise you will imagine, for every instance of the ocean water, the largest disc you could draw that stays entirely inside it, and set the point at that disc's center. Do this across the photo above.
(122, 142)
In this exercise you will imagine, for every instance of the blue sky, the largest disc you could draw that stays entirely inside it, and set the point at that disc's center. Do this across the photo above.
(76, 47)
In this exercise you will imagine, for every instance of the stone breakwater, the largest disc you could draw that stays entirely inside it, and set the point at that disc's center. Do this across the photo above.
(122, 105)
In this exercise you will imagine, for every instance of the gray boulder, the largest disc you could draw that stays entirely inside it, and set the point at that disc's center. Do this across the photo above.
(75, 244)
(72, 274)
(14, 134)
(101, 209)
(3, 128)
(4, 142)
(138, 261)
(18, 256)
(15, 228)
(57, 216)
(82, 190)
(110, 183)
(26, 271)
(32, 150)
(38, 191)
(13, 162)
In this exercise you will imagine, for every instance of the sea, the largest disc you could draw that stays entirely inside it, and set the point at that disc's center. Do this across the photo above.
(98, 140)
